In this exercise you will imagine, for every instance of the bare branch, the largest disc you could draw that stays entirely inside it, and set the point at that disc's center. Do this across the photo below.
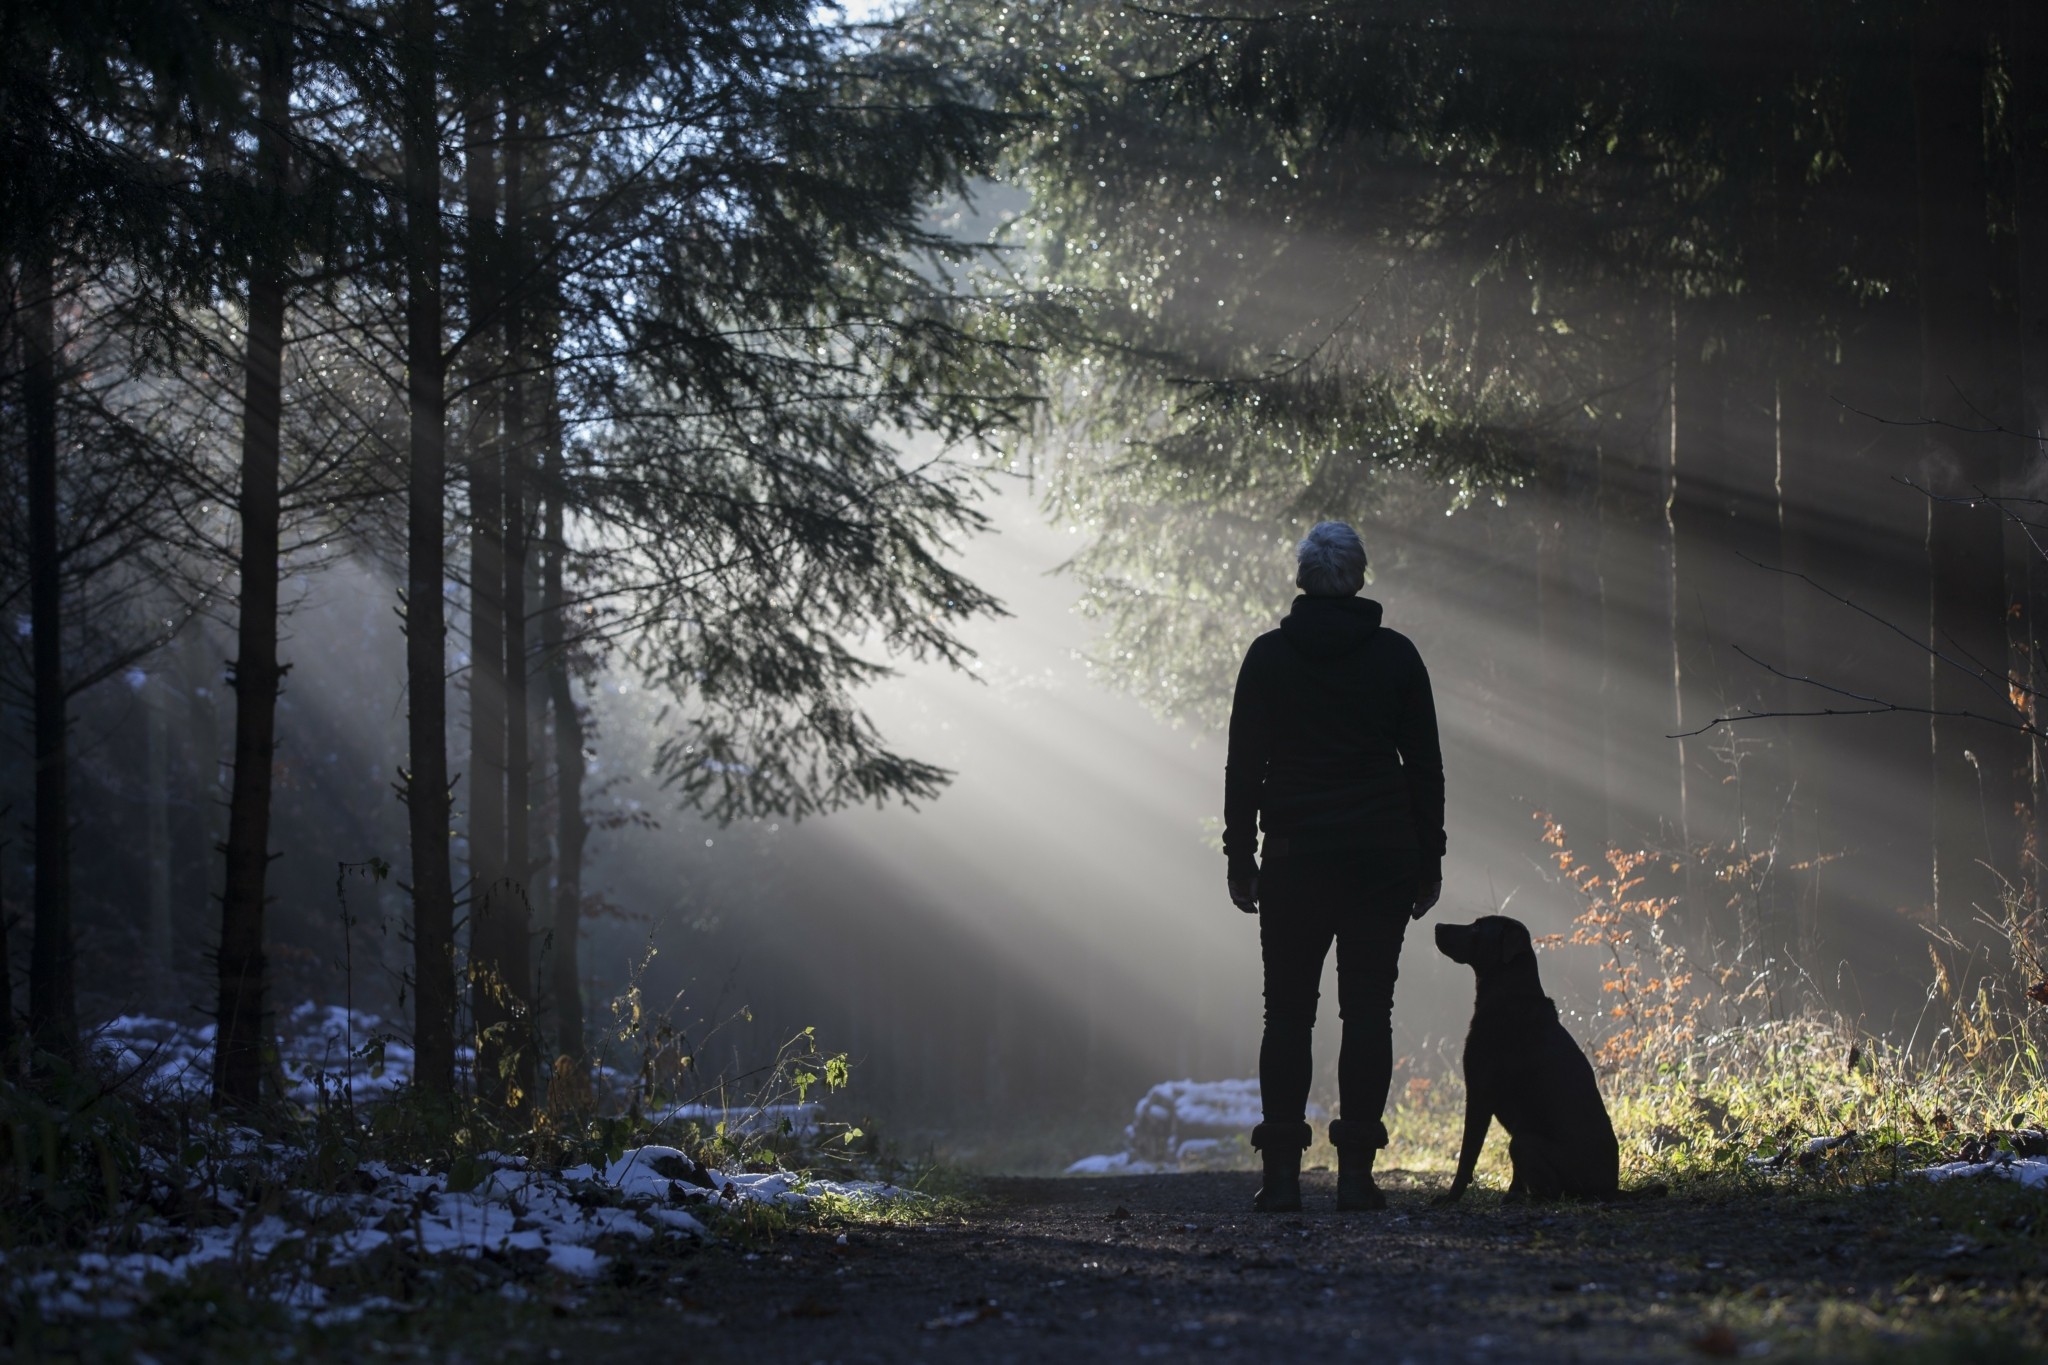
(1999, 686)
(1872, 706)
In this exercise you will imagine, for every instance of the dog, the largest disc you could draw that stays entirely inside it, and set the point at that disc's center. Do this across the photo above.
(1522, 1068)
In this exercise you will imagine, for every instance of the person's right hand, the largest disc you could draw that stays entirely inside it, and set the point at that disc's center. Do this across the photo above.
(1426, 897)
(1244, 893)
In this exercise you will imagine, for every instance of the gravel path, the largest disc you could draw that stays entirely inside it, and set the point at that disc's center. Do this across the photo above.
(1176, 1267)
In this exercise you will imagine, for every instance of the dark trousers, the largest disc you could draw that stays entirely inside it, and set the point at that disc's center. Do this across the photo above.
(1304, 903)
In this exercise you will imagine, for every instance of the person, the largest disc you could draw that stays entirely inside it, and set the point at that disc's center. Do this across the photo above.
(1334, 757)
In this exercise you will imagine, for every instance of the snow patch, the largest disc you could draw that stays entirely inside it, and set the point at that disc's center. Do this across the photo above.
(566, 1223)
(1183, 1124)
(325, 1052)
(2030, 1171)
(768, 1120)
(560, 1220)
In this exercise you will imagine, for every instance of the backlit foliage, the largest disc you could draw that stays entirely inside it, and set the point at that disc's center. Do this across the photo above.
(1645, 979)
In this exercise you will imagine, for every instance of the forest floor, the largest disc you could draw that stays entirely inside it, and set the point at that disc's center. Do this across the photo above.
(1176, 1267)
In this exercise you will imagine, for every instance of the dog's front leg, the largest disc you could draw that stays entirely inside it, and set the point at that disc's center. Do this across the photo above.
(1478, 1115)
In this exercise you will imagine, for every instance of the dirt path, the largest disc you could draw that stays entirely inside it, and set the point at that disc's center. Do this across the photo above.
(1175, 1267)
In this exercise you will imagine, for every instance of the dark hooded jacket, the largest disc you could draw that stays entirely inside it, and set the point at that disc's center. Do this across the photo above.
(1333, 743)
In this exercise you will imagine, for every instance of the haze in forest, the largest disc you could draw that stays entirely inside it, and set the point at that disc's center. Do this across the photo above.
(1682, 374)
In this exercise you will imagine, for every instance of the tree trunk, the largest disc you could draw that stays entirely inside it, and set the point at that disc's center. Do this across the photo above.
(1804, 476)
(1792, 773)
(426, 781)
(491, 990)
(240, 1042)
(52, 991)
(514, 908)
(1696, 915)
(1974, 766)
(570, 828)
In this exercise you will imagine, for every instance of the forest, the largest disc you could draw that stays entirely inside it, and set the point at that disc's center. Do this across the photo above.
(652, 588)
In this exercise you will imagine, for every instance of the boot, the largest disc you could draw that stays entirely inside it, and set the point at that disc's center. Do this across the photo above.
(1280, 1146)
(1356, 1192)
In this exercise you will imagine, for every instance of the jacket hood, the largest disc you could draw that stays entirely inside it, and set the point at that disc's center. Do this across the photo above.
(1330, 627)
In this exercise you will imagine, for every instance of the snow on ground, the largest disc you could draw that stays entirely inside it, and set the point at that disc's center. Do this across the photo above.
(2030, 1171)
(330, 1053)
(1180, 1124)
(297, 1239)
(557, 1221)
(325, 1051)
(1983, 1156)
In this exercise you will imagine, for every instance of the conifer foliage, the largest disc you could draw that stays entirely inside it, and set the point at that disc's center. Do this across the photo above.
(599, 324)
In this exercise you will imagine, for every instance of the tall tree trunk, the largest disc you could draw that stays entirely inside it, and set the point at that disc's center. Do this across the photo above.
(1804, 478)
(1749, 602)
(52, 991)
(1681, 424)
(426, 628)
(1973, 766)
(570, 829)
(513, 910)
(1769, 800)
(257, 676)
(1792, 887)
(490, 987)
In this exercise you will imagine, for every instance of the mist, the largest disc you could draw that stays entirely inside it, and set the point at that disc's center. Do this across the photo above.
(1704, 497)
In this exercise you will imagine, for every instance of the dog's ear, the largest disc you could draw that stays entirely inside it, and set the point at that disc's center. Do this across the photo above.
(1512, 941)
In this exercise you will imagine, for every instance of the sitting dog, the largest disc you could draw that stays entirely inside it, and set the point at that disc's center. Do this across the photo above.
(1524, 1069)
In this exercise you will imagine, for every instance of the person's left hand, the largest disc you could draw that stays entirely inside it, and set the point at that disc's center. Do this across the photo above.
(1244, 893)
(1426, 897)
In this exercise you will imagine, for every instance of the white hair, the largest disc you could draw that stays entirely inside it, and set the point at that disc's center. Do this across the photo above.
(1332, 560)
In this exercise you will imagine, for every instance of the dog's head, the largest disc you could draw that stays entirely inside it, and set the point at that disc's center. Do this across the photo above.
(1489, 941)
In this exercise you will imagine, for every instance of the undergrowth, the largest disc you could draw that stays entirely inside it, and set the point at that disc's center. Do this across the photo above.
(1725, 1077)
(97, 1162)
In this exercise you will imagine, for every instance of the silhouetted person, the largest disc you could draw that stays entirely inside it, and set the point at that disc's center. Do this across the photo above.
(1334, 757)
